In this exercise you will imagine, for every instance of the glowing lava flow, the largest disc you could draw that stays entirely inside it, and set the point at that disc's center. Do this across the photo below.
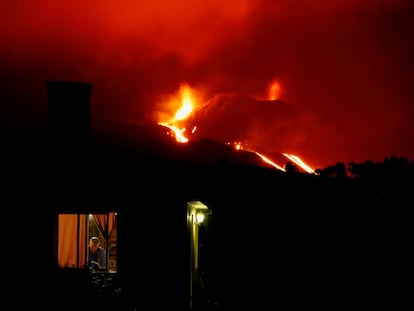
(178, 134)
(188, 101)
(267, 160)
(299, 162)
(274, 90)
(185, 110)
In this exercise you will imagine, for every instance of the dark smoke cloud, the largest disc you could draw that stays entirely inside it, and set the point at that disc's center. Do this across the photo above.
(345, 67)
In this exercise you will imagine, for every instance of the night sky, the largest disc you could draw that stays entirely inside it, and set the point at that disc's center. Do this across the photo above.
(345, 67)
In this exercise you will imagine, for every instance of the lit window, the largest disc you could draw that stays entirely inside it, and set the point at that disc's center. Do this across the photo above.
(74, 233)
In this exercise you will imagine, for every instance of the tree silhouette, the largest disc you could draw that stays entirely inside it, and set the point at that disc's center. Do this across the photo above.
(291, 168)
(338, 171)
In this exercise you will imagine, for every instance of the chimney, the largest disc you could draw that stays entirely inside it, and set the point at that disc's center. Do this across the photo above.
(68, 111)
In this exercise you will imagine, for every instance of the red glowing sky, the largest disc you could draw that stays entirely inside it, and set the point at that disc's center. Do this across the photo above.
(345, 67)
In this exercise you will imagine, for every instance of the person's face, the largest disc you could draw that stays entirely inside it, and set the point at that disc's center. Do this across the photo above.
(93, 246)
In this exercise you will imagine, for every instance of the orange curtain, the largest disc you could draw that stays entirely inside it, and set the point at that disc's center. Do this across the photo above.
(106, 223)
(72, 240)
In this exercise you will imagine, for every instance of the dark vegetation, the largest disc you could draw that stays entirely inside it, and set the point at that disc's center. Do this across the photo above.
(338, 238)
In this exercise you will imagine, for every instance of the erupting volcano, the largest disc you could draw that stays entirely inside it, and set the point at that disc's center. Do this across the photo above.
(237, 121)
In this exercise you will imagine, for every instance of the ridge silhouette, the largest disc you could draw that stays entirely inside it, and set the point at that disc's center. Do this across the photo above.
(274, 238)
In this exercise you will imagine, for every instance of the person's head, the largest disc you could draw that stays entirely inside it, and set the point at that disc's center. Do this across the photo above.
(94, 243)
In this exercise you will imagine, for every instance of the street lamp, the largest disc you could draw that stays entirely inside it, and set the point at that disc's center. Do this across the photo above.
(196, 216)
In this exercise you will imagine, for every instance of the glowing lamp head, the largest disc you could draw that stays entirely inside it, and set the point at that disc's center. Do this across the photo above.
(200, 217)
(198, 212)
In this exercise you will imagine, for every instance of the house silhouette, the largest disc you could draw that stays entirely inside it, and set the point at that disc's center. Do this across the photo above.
(272, 239)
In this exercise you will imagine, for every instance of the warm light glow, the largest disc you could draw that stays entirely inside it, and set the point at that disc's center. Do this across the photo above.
(267, 160)
(189, 100)
(198, 211)
(298, 161)
(274, 90)
(186, 103)
(238, 145)
(200, 217)
(178, 133)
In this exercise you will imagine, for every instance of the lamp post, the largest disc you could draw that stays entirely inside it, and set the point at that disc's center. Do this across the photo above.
(196, 214)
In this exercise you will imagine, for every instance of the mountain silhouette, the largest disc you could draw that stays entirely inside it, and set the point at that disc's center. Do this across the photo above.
(262, 125)
(155, 141)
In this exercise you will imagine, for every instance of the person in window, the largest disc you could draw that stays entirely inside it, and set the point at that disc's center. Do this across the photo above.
(97, 254)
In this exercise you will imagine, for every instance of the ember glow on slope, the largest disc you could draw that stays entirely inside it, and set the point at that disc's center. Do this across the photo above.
(185, 102)
(189, 102)
(345, 66)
